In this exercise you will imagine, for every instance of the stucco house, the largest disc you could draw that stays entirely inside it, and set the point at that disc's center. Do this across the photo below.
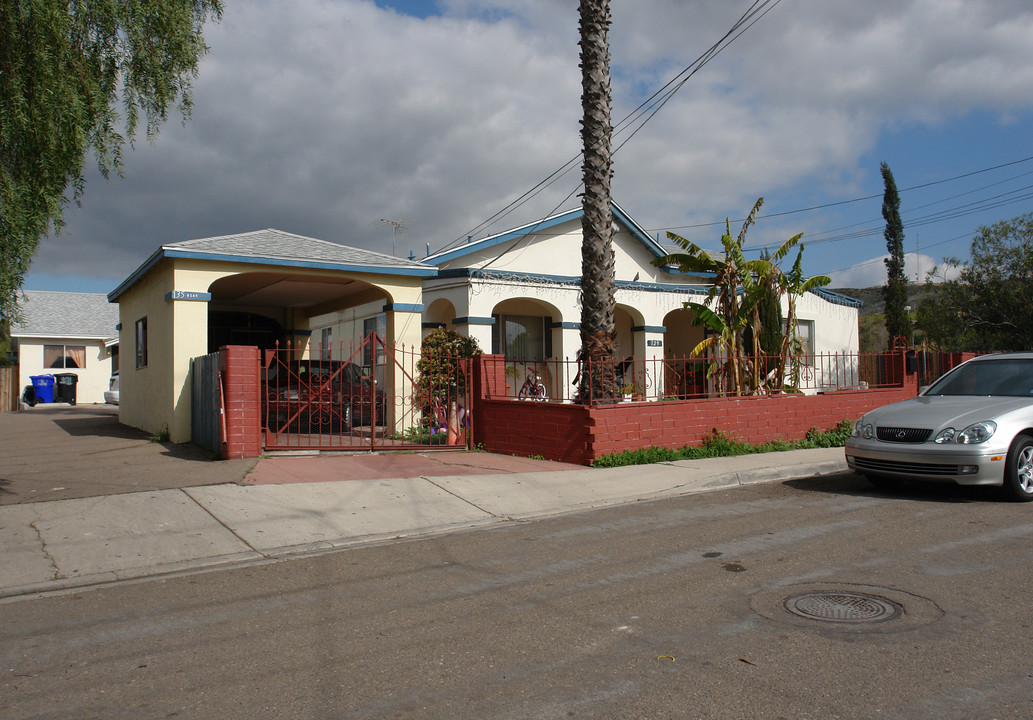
(68, 332)
(517, 293)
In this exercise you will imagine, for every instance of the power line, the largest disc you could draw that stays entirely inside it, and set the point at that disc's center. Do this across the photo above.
(643, 113)
(855, 200)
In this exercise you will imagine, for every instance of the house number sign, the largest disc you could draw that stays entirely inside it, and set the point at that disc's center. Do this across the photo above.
(654, 343)
(188, 295)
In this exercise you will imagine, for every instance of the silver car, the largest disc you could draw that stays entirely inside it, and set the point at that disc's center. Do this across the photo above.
(973, 426)
(111, 394)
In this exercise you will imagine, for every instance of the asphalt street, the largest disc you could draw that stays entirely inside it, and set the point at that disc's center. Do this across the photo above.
(668, 608)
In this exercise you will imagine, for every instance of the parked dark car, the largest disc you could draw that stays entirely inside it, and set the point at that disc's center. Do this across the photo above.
(320, 396)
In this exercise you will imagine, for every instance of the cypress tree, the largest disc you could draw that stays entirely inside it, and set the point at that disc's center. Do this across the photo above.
(898, 323)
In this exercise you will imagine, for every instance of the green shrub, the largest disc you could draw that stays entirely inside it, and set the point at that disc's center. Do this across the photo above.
(719, 444)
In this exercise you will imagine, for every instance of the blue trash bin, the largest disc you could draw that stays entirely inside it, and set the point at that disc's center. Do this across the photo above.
(44, 387)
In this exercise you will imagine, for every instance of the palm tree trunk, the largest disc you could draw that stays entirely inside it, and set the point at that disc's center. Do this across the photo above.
(598, 283)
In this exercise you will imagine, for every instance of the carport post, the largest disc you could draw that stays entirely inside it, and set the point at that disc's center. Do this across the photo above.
(405, 328)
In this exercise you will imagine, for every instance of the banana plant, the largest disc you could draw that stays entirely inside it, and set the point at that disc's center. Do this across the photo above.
(730, 303)
(794, 285)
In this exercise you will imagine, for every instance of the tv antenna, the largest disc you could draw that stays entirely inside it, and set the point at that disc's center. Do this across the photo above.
(398, 227)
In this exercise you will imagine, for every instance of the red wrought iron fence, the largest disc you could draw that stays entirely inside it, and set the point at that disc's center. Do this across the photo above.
(365, 395)
(683, 378)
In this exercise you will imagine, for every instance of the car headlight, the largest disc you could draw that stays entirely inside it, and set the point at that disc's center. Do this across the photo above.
(977, 432)
(863, 430)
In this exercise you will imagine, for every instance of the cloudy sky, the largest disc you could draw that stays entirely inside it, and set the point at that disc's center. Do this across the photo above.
(328, 118)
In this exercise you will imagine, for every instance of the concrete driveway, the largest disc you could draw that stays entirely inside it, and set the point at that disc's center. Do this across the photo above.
(60, 452)
(57, 452)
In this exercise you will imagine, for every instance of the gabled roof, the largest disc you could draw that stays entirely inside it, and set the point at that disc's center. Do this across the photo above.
(82, 316)
(284, 249)
(619, 215)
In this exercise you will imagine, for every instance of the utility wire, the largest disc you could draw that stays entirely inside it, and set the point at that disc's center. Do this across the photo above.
(648, 108)
(855, 200)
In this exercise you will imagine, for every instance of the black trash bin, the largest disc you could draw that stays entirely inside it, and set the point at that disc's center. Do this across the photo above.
(65, 388)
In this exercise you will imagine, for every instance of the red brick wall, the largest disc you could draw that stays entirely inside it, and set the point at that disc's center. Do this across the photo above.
(579, 434)
(239, 366)
(525, 427)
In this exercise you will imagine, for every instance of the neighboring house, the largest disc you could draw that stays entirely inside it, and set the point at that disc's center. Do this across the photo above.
(65, 332)
(518, 293)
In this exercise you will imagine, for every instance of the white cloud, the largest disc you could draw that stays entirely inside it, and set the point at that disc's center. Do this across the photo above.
(321, 117)
(917, 268)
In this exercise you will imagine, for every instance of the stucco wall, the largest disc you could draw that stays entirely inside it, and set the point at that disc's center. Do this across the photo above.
(557, 251)
(146, 394)
(158, 396)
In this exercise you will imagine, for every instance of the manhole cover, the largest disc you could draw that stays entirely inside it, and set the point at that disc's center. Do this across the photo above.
(843, 607)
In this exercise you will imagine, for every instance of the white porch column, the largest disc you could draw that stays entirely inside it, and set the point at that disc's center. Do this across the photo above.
(478, 328)
(566, 341)
(649, 345)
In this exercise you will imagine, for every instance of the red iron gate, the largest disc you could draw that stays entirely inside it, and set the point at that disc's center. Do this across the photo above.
(364, 397)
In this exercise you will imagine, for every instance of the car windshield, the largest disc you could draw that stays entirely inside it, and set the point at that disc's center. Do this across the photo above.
(310, 371)
(1005, 377)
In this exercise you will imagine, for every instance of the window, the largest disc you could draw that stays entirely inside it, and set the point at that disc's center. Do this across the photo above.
(521, 337)
(326, 341)
(805, 333)
(377, 325)
(141, 342)
(64, 356)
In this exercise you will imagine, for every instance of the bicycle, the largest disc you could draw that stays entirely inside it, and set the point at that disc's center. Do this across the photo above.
(533, 387)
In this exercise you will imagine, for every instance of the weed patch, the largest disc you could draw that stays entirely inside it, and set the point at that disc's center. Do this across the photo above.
(719, 444)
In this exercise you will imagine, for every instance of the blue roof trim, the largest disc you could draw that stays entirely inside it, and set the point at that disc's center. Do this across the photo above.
(403, 307)
(837, 298)
(544, 224)
(470, 320)
(149, 263)
(166, 252)
(567, 280)
(566, 325)
(639, 232)
(494, 240)
(649, 328)
(313, 264)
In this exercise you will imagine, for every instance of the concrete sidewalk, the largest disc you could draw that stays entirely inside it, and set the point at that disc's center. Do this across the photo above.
(86, 541)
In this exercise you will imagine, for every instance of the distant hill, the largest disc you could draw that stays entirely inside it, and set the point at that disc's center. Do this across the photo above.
(872, 297)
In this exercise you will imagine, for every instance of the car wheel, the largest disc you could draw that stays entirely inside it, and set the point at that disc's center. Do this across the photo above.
(1018, 472)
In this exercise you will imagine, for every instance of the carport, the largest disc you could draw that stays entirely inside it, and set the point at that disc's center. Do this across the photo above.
(260, 288)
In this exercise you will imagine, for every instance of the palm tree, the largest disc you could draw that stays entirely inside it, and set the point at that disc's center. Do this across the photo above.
(598, 381)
